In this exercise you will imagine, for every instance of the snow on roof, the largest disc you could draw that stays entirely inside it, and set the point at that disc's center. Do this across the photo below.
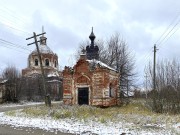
(43, 49)
(54, 80)
(101, 64)
(53, 74)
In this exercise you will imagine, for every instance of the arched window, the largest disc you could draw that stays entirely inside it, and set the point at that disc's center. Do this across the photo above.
(47, 62)
(55, 64)
(36, 62)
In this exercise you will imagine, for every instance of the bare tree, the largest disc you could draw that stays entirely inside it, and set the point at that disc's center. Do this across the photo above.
(166, 97)
(120, 57)
(11, 73)
(13, 83)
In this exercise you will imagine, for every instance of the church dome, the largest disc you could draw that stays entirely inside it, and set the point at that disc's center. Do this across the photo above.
(48, 57)
(43, 49)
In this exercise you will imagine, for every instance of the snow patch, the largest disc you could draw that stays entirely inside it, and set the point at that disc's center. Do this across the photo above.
(86, 127)
(101, 64)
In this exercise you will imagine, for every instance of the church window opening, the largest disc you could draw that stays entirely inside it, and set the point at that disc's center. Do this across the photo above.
(36, 62)
(55, 64)
(110, 90)
(47, 62)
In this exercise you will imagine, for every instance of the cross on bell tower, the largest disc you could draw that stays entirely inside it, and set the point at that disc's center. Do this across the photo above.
(43, 38)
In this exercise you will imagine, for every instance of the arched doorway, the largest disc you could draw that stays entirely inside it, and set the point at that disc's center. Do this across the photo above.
(83, 90)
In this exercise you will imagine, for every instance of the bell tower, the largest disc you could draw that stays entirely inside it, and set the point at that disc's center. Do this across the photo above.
(92, 50)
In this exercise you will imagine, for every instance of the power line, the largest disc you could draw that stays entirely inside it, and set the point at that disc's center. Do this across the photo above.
(169, 37)
(14, 28)
(14, 45)
(8, 19)
(12, 13)
(169, 33)
(161, 39)
(10, 23)
(175, 18)
(145, 56)
(12, 48)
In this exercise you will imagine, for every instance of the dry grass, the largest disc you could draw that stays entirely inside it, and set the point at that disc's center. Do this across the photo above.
(11, 113)
(135, 112)
(135, 116)
(35, 111)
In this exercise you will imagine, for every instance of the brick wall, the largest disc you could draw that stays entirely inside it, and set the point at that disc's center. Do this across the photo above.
(97, 80)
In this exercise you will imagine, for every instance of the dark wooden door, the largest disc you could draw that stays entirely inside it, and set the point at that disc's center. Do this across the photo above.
(83, 96)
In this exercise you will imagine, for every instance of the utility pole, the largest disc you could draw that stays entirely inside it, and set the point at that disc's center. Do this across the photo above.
(47, 98)
(154, 69)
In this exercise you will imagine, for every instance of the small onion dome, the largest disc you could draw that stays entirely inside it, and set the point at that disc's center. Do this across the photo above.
(92, 36)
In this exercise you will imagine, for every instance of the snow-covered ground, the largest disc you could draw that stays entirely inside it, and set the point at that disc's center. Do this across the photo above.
(131, 124)
(89, 127)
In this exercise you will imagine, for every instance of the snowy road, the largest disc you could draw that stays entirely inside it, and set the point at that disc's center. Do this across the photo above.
(11, 130)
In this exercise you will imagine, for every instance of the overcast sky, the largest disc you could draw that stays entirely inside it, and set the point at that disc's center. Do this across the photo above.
(67, 23)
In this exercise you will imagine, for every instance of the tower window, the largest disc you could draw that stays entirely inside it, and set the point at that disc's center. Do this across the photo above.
(47, 62)
(36, 62)
(55, 64)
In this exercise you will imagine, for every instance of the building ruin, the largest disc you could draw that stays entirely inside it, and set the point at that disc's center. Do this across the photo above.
(91, 81)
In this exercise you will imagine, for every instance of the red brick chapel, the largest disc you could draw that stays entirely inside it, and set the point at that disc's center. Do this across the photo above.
(90, 81)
